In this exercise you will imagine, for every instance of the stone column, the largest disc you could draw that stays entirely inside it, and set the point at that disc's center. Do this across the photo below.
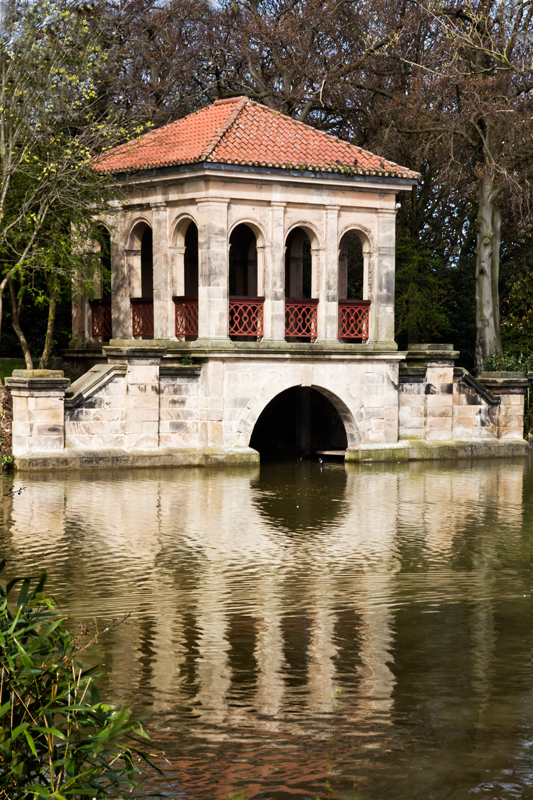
(274, 276)
(162, 293)
(141, 426)
(213, 269)
(124, 266)
(177, 270)
(38, 410)
(382, 309)
(328, 307)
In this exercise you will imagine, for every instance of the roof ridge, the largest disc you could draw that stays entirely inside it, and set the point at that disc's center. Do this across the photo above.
(226, 125)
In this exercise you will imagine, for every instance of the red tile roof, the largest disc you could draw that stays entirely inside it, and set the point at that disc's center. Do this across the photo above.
(240, 131)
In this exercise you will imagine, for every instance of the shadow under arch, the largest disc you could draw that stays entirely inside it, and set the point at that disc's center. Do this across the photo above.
(301, 421)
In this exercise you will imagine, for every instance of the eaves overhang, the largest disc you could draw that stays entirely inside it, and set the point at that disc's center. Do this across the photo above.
(272, 173)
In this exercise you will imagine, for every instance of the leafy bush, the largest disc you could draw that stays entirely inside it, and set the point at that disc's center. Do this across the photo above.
(57, 739)
(510, 362)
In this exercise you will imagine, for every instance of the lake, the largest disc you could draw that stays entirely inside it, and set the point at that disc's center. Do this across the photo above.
(303, 631)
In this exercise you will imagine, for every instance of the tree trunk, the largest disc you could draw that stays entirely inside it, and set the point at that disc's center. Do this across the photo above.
(49, 338)
(487, 264)
(16, 303)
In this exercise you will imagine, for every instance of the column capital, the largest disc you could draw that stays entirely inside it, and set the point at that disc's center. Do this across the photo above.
(158, 205)
(332, 209)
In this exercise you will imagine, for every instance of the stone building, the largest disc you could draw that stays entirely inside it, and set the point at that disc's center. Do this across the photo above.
(251, 309)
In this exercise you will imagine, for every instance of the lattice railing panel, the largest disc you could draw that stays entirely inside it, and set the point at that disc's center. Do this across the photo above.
(186, 316)
(301, 318)
(142, 318)
(101, 319)
(246, 316)
(353, 319)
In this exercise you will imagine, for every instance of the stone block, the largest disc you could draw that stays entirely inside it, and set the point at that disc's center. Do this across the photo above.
(438, 401)
(177, 426)
(375, 390)
(52, 416)
(148, 403)
(142, 414)
(111, 440)
(97, 401)
(375, 413)
(131, 427)
(236, 402)
(143, 390)
(374, 378)
(439, 411)
(45, 403)
(115, 388)
(50, 442)
(144, 374)
(187, 414)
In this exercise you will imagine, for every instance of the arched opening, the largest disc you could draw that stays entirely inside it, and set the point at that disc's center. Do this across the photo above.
(242, 262)
(142, 307)
(354, 305)
(100, 315)
(301, 422)
(301, 309)
(191, 261)
(245, 307)
(147, 265)
(104, 244)
(298, 265)
(351, 267)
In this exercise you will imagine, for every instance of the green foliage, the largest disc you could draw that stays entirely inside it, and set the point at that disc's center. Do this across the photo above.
(517, 291)
(8, 463)
(57, 739)
(510, 362)
(7, 367)
(423, 292)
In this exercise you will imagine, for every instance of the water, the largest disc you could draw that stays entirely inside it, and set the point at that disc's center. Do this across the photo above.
(301, 632)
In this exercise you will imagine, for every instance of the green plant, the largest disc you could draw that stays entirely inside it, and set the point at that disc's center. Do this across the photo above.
(187, 361)
(509, 362)
(8, 463)
(57, 739)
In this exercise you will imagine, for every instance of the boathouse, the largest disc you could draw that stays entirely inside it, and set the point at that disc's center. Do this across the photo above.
(251, 311)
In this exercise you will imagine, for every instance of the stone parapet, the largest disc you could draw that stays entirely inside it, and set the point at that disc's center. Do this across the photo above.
(38, 410)
(511, 389)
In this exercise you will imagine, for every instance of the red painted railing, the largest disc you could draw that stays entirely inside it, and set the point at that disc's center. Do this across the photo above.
(246, 316)
(101, 319)
(301, 318)
(186, 316)
(353, 319)
(142, 317)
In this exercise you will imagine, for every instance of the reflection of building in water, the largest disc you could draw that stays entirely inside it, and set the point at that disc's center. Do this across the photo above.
(242, 619)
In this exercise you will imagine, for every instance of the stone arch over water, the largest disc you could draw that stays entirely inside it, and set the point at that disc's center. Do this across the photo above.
(300, 422)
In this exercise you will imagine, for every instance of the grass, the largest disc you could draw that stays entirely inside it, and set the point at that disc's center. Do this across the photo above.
(7, 365)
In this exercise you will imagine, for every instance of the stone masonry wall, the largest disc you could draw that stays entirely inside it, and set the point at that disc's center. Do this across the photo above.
(137, 403)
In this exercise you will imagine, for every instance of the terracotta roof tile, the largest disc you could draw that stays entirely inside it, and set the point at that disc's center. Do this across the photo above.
(240, 131)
